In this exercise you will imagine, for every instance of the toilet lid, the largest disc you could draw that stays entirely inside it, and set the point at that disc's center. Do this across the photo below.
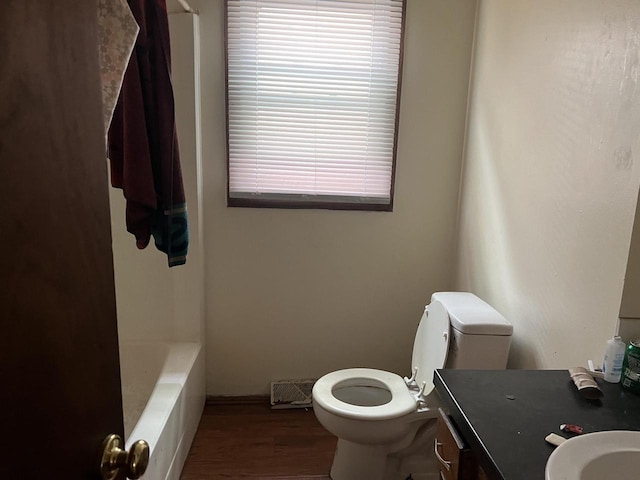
(431, 344)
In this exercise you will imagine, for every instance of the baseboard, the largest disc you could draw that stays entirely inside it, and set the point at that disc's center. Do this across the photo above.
(238, 400)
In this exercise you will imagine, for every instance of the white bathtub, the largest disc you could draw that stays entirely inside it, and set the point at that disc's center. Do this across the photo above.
(162, 397)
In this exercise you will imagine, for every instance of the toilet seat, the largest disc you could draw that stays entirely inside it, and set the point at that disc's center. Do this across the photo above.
(401, 403)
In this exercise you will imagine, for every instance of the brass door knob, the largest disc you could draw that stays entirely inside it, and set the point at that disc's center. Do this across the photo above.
(116, 463)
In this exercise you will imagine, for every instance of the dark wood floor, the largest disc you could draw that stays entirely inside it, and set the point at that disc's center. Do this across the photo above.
(255, 442)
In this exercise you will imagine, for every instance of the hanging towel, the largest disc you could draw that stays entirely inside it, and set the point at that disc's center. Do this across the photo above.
(117, 32)
(143, 145)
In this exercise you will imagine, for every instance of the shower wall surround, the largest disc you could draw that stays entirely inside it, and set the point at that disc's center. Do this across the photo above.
(153, 301)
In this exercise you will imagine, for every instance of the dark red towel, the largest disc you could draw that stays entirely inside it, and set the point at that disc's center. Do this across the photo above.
(143, 145)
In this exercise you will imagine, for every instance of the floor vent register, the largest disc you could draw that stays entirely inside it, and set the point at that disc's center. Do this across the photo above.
(291, 393)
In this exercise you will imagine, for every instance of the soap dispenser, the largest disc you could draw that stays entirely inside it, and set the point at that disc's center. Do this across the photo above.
(613, 357)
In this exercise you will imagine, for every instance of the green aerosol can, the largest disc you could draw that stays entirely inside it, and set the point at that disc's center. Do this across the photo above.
(631, 367)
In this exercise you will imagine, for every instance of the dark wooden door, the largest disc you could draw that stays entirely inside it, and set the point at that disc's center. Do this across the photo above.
(59, 368)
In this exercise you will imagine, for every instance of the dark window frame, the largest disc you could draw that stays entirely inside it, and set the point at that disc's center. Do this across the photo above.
(306, 201)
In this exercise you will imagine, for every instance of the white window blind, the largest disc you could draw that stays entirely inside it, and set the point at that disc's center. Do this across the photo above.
(312, 96)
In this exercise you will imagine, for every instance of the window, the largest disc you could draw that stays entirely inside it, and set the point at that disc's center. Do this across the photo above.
(313, 90)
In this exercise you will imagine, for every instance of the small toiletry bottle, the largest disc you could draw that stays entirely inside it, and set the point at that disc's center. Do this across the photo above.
(613, 357)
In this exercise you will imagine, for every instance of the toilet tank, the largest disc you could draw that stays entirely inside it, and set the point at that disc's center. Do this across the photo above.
(480, 336)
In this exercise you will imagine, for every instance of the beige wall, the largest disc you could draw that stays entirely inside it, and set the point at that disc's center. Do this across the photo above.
(295, 293)
(551, 178)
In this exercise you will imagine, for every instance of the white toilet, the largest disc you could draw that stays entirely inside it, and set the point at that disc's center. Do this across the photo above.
(385, 424)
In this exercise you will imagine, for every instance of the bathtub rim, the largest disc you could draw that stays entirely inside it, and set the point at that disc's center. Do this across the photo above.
(177, 366)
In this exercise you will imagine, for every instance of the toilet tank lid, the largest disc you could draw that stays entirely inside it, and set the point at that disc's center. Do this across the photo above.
(471, 315)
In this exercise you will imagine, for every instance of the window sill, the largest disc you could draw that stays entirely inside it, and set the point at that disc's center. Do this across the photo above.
(310, 202)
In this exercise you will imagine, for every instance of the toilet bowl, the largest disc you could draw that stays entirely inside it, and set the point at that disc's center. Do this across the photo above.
(385, 423)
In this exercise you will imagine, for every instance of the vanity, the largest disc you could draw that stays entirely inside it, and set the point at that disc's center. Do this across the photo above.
(501, 418)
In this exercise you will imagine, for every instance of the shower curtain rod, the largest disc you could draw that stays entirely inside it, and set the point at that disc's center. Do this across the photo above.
(187, 8)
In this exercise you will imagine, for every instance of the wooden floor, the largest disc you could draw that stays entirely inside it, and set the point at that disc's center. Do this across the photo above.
(256, 442)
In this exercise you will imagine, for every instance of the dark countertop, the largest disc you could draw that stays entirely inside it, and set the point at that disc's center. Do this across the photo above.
(508, 435)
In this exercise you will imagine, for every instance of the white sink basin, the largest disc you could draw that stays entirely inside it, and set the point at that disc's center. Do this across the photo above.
(597, 456)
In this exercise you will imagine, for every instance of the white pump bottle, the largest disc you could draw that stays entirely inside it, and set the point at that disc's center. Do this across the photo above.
(613, 357)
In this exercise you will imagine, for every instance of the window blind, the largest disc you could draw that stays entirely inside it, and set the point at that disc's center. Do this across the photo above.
(312, 98)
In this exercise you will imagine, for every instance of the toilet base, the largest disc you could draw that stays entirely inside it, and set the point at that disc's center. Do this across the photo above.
(353, 461)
